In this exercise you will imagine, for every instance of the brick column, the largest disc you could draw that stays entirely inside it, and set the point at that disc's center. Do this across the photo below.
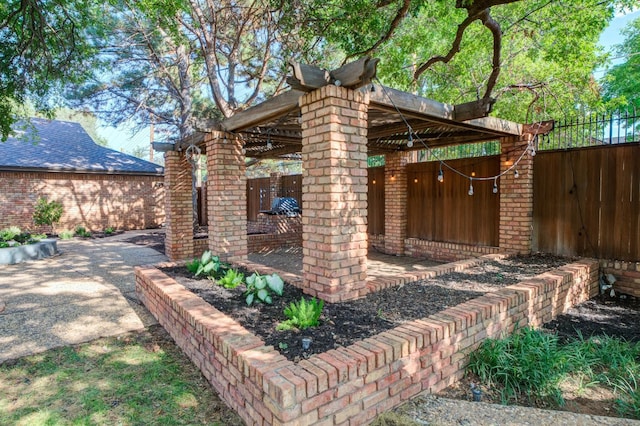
(178, 206)
(226, 197)
(334, 187)
(395, 203)
(516, 196)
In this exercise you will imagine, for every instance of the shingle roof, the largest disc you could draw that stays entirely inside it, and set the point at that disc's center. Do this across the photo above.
(52, 145)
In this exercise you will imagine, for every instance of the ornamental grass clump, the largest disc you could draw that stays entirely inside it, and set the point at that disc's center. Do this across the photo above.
(529, 362)
(535, 364)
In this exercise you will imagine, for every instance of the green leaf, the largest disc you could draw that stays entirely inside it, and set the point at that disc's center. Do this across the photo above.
(250, 298)
(275, 283)
(206, 257)
(260, 283)
(263, 294)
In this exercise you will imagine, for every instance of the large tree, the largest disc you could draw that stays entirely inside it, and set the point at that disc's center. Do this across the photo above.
(535, 57)
(186, 64)
(622, 82)
(42, 46)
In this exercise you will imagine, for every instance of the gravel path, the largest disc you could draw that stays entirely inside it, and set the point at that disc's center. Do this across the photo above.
(86, 292)
(432, 410)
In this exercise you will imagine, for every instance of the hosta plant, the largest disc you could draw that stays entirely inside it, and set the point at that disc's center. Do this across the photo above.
(261, 288)
(210, 266)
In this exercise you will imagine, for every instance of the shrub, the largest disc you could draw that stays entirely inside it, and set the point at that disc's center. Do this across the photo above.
(109, 230)
(10, 233)
(302, 314)
(231, 279)
(47, 213)
(261, 288)
(81, 231)
(66, 235)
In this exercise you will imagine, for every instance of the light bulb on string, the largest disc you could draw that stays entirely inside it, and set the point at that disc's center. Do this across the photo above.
(495, 185)
(410, 141)
(244, 151)
(516, 174)
(440, 174)
(533, 151)
(269, 144)
(470, 187)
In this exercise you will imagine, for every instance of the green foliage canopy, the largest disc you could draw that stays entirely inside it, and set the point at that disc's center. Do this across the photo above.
(43, 45)
(622, 82)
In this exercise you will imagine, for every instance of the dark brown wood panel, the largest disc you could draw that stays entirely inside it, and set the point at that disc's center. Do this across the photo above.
(444, 211)
(375, 198)
(292, 187)
(258, 197)
(587, 202)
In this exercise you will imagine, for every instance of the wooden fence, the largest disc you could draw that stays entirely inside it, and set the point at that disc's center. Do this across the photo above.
(444, 211)
(587, 202)
(258, 196)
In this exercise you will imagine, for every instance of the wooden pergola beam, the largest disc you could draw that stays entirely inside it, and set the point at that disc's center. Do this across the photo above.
(392, 100)
(270, 109)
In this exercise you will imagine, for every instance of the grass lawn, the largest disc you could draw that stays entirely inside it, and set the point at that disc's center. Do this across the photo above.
(134, 379)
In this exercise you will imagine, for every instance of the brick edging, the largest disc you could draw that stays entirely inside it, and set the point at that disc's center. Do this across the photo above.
(358, 382)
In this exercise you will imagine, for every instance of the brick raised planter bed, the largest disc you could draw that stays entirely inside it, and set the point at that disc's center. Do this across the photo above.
(352, 385)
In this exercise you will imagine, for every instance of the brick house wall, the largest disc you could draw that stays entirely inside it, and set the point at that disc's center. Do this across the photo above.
(95, 201)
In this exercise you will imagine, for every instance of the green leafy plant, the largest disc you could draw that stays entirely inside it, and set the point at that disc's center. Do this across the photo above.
(109, 230)
(231, 279)
(210, 266)
(65, 235)
(10, 233)
(193, 266)
(302, 314)
(47, 213)
(261, 288)
(81, 231)
(528, 362)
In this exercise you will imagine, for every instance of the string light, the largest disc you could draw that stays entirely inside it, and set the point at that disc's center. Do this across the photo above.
(410, 141)
(516, 174)
(244, 151)
(470, 186)
(269, 144)
(440, 174)
(533, 151)
(495, 185)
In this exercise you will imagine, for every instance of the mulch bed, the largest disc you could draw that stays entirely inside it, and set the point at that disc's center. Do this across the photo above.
(345, 323)
(153, 240)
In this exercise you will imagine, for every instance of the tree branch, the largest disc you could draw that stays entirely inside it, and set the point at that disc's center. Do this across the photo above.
(455, 48)
(494, 27)
(392, 28)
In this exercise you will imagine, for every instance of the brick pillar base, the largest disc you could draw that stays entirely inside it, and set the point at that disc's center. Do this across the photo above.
(334, 201)
(395, 203)
(516, 197)
(226, 197)
(178, 207)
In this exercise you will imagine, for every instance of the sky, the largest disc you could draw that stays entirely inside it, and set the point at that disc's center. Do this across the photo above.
(124, 139)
